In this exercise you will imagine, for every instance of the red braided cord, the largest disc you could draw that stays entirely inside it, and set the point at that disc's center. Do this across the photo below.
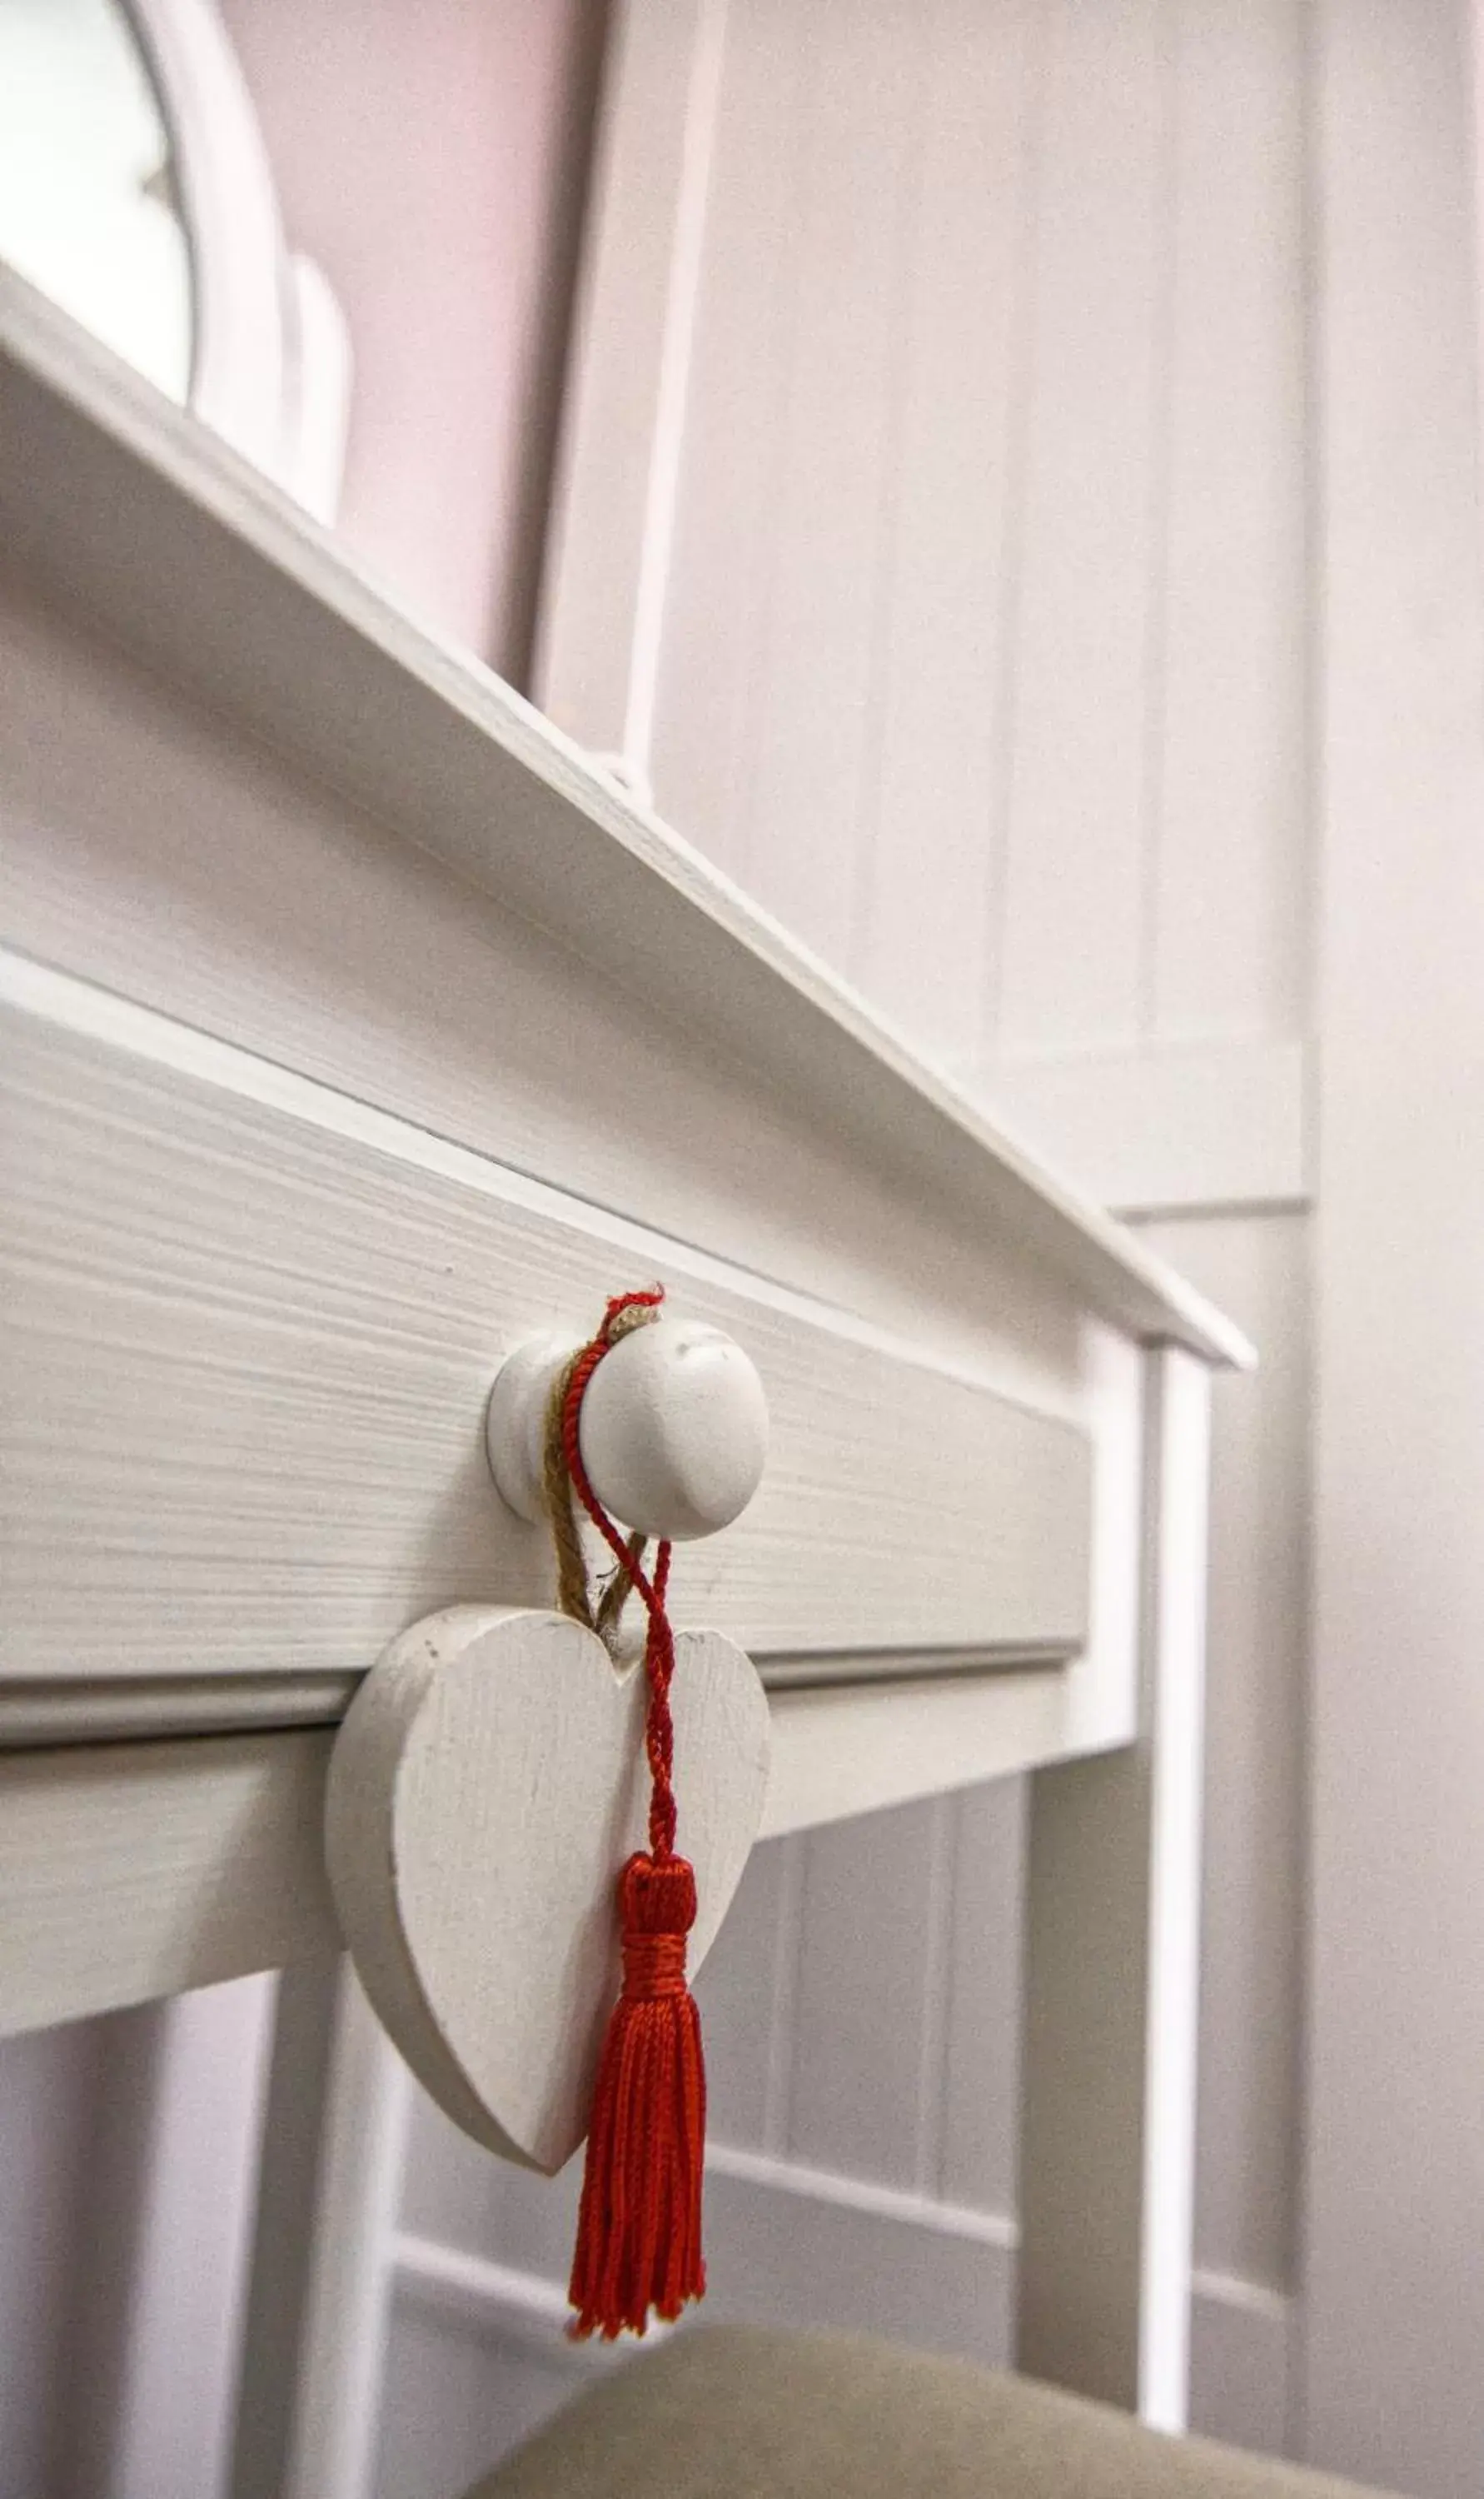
(659, 1640)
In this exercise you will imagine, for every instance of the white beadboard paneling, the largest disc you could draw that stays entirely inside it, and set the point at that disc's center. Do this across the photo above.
(982, 2052)
(926, 850)
(868, 1908)
(728, 461)
(458, 2196)
(781, 2252)
(1041, 588)
(1227, 868)
(646, 163)
(745, 1994)
(171, 2176)
(811, 728)
(783, 2242)
(50, 2091)
(1252, 1909)
(1154, 1130)
(1243, 2355)
(1081, 789)
(457, 2397)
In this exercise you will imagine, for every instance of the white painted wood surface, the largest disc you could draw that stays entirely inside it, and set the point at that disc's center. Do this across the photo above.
(1394, 2190)
(219, 583)
(1248, 2110)
(279, 1315)
(314, 2352)
(170, 2182)
(130, 1871)
(1050, 573)
(1156, 1131)
(158, 875)
(1109, 2055)
(487, 1787)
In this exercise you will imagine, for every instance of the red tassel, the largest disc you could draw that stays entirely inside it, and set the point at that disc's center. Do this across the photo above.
(639, 2229)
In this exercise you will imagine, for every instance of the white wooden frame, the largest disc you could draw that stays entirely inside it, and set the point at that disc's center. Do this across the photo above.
(269, 351)
(135, 1868)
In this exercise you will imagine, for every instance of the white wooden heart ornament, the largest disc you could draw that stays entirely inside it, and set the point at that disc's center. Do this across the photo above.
(485, 1790)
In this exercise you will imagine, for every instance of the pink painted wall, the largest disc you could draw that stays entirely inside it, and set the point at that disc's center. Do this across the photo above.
(432, 159)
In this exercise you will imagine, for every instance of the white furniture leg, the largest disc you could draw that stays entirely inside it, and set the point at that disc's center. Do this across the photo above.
(1111, 1981)
(170, 2184)
(331, 2170)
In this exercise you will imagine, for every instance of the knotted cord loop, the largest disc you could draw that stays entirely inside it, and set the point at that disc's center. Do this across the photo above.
(624, 1313)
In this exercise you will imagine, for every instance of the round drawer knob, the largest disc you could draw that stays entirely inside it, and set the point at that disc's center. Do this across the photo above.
(674, 1429)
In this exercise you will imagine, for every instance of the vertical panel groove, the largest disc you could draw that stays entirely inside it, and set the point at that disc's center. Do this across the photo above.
(789, 277)
(1308, 52)
(663, 483)
(937, 1975)
(885, 569)
(788, 1945)
(1029, 167)
(1161, 444)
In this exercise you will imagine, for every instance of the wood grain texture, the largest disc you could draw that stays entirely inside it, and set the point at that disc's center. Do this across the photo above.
(249, 1356)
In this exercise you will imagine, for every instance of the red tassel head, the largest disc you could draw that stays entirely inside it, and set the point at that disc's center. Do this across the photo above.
(657, 1911)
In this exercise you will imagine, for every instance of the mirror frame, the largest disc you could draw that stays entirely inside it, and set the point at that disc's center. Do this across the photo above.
(271, 362)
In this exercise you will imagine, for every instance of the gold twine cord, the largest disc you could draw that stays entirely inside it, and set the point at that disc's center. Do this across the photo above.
(573, 1590)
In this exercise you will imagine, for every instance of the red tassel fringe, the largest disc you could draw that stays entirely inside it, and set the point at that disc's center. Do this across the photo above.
(639, 2229)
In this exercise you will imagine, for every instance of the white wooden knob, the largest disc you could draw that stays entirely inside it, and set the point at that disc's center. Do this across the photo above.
(674, 1429)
